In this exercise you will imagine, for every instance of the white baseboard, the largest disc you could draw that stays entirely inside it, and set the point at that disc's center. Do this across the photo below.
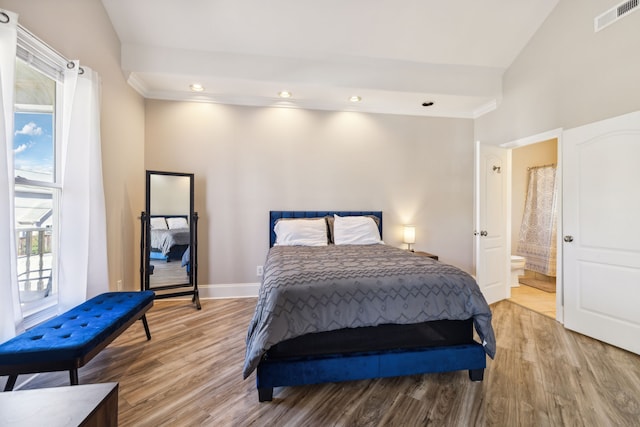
(235, 290)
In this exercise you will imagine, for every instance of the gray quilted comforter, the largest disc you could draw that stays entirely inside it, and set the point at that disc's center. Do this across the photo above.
(164, 240)
(315, 289)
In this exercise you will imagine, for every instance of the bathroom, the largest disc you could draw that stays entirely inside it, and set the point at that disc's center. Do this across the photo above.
(533, 282)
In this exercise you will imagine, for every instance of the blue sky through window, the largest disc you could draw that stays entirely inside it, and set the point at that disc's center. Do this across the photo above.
(34, 156)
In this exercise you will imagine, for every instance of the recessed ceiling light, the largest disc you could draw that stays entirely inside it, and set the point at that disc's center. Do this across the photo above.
(197, 87)
(355, 98)
(284, 94)
(427, 104)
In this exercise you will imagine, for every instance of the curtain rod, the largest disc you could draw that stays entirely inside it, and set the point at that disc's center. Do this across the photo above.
(4, 19)
(542, 166)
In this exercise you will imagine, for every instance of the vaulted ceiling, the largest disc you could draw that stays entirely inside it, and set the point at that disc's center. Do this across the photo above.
(393, 54)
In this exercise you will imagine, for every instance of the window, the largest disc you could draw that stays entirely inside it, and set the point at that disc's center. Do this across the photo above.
(36, 148)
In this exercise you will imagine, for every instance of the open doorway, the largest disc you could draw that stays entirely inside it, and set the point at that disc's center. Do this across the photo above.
(534, 206)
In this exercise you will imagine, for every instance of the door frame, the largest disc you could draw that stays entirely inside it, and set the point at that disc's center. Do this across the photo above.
(534, 139)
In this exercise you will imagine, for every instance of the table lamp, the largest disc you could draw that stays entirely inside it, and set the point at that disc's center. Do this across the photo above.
(409, 236)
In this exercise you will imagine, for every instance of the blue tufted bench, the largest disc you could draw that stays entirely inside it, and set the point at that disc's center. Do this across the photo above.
(72, 339)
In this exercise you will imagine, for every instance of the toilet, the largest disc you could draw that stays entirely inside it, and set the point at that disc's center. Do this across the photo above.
(517, 269)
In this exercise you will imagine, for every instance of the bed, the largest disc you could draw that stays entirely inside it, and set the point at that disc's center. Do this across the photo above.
(170, 237)
(350, 310)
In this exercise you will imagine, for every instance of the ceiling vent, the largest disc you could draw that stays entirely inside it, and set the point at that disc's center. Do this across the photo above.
(614, 14)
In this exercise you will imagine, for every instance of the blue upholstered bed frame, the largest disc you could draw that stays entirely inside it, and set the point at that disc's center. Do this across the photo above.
(362, 365)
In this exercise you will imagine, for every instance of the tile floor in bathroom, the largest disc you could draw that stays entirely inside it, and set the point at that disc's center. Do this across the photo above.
(535, 299)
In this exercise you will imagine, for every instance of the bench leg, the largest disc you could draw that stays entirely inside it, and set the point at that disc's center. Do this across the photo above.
(11, 381)
(73, 376)
(146, 326)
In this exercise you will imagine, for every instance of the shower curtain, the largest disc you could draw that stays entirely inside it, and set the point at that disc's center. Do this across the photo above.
(537, 242)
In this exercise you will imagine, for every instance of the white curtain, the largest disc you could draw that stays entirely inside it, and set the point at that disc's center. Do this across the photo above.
(10, 311)
(83, 270)
(537, 241)
(83, 232)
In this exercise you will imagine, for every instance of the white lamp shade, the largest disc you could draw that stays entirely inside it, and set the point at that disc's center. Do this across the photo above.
(409, 234)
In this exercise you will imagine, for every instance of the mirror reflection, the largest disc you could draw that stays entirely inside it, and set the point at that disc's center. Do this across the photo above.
(169, 235)
(169, 230)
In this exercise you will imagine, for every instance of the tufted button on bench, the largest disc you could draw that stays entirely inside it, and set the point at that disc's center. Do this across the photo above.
(72, 339)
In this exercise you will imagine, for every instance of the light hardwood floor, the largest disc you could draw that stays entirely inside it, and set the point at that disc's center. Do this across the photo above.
(189, 374)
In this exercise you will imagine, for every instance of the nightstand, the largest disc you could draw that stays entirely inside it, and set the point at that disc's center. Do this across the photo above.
(427, 254)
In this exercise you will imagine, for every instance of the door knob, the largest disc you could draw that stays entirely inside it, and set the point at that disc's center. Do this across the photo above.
(483, 233)
(568, 239)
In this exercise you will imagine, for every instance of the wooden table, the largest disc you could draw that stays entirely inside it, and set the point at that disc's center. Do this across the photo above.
(78, 405)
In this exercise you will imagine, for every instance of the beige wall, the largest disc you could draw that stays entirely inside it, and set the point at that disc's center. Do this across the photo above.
(248, 161)
(80, 29)
(568, 75)
(543, 153)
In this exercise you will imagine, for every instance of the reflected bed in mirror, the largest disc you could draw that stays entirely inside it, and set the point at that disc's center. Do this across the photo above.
(169, 254)
(169, 241)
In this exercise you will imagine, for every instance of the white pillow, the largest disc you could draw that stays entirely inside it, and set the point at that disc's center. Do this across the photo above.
(355, 230)
(177, 223)
(301, 232)
(158, 223)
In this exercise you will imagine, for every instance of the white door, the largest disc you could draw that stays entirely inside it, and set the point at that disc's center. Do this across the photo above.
(601, 227)
(492, 262)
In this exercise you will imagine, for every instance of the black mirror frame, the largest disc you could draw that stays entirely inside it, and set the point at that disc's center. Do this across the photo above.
(174, 290)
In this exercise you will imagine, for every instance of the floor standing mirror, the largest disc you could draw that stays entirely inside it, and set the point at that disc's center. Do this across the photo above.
(169, 242)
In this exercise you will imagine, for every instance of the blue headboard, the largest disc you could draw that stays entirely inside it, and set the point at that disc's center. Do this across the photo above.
(276, 215)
